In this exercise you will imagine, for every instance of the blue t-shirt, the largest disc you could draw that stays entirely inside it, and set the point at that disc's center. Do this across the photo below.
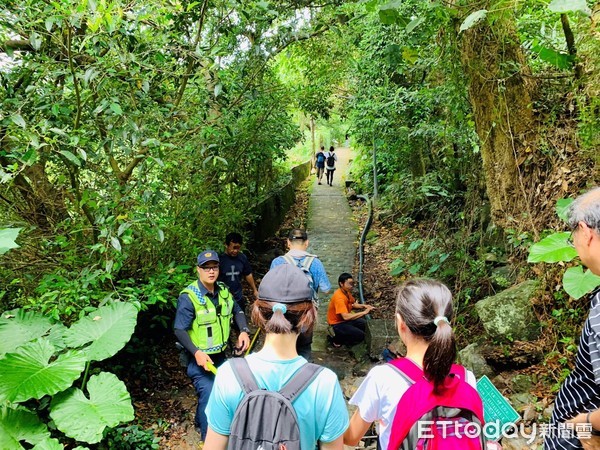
(316, 269)
(321, 409)
(231, 271)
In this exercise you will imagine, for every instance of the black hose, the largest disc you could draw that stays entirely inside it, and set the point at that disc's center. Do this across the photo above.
(360, 247)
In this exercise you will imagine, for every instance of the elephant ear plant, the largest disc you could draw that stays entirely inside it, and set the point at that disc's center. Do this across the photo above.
(48, 362)
(555, 248)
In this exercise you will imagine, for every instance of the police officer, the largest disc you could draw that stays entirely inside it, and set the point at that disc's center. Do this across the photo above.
(202, 321)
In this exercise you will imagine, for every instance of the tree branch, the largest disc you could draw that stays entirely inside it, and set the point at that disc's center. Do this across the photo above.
(16, 45)
(191, 62)
(75, 83)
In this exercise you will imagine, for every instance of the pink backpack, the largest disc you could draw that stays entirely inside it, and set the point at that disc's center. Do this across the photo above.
(450, 421)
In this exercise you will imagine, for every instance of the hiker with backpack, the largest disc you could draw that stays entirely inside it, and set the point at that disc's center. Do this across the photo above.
(330, 160)
(274, 399)
(311, 265)
(423, 398)
(320, 163)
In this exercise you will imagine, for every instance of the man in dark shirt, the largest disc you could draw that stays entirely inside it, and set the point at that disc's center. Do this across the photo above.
(577, 405)
(204, 312)
(234, 266)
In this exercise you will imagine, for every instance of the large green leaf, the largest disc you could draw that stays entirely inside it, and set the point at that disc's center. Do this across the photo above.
(551, 249)
(7, 239)
(557, 59)
(565, 6)
(18, 327)
(107, 330)
(562, 208)
(577, 283)
(29, 373)
(85, 419)
(472, 19)
(18, 425)
(49, 444)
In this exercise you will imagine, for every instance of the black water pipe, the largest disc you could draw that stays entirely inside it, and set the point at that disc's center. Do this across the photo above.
(361, 245)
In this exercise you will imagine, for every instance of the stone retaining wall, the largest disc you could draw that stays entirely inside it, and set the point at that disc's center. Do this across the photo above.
(272, 210)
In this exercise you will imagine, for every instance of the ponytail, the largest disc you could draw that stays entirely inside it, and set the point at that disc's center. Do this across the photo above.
(426, 307)
(279, 318)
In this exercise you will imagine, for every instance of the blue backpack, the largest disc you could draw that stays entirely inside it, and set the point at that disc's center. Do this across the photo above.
(320, 158)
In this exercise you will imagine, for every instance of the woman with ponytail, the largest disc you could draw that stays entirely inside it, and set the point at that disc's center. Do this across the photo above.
(284, 308)
(423, 320)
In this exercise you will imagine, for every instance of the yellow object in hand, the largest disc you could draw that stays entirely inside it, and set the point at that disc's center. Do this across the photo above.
(210, 366)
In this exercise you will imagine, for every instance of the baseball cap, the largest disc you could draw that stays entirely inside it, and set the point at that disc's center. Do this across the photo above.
(206, 256)
(285, 284)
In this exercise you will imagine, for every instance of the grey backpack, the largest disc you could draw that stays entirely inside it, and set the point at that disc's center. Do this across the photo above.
(304, 265)
(265, 419)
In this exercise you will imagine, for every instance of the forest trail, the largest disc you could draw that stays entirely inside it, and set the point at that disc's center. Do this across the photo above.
(332, 233)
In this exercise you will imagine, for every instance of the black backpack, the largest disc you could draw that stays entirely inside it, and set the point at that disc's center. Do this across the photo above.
(331, 160)
(266, 419)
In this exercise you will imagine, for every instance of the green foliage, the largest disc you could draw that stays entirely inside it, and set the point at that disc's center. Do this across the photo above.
(45, 360)
(132, 437)
(133, 120)
(554, 248)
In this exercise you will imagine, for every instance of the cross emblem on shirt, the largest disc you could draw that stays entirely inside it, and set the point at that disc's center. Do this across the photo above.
(233, 273)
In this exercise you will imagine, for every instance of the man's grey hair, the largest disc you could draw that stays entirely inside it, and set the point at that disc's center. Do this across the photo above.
(586, 208)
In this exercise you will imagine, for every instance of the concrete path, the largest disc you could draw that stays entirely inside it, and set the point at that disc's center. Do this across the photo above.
(333, 235)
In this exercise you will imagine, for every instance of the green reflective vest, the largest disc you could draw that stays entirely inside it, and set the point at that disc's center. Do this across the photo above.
(210, 329)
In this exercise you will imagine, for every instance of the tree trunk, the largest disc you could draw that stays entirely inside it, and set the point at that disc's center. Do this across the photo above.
(499, 94)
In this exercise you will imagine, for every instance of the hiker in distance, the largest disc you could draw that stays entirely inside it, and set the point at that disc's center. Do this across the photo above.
(330, 160)
(204, 311)
(297, 243)
(423, 316)
(578, 401)
(234, 266)
(320, 163)
(284, 307)
(345, 316)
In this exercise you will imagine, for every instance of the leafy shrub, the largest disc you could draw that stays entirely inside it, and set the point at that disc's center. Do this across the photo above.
(555, 248)
(40, 360)
(132, 437)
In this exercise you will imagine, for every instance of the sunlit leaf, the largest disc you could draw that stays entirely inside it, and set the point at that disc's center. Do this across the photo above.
(106, 330)
(85, 419)
(18, 120)
(551, 249)
(8, 236)
(473, 19)
(32, 371)
(17, 327)
(577, 283)
(562, 208)
(71, 157)
(565, 6)
(19, 424)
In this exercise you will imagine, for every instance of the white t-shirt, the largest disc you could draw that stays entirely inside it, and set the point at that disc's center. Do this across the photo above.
(378, 395)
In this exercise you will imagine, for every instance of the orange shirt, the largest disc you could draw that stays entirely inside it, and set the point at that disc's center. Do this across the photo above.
(340, 303)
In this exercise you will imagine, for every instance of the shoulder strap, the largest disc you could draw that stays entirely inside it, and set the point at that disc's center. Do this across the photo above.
(410, 369)
(289, 259)
(244, 375)
(405, 377)
(300, 381)
(307, 261)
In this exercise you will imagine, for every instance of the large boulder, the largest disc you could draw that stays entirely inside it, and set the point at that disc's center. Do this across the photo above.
(509, 315)
(472, 359)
